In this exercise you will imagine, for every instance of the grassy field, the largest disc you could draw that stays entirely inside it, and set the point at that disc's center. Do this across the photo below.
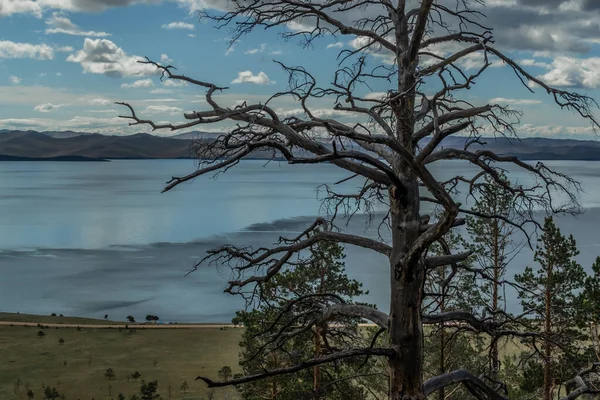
(76, 368)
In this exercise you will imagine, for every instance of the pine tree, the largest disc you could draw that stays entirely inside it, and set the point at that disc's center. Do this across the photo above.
(303, 285)
(549, 295)
(492, 245)
(451, 289)
(589, 312)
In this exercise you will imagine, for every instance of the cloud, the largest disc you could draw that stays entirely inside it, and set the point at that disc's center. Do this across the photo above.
(174, 83)
(101, 56)
(15, 80)
(317, 112)
(65, 49)
(10, 7)
(161, 91)
(37, 7)
(580, 132)
(60, 24)
(165, 59)
(178, 25)
(162, 109)
(191, 35)
(544, 25)
(336, 44)
(99, 102)
(161, 100)
(376, 95)
(10, 49)
(141, 83)
(47, 107)
(103, 111)
(530, 62)
(262, 48)
(518, 102)
(276, 52)
(574, 72)
(369, 47)
(249, 77)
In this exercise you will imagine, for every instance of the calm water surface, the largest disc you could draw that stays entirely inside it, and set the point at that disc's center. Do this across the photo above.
(98, 238)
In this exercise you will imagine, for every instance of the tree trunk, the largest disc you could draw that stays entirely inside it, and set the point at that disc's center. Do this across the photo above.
(442, 370)
(274, 381)
(495, 362)
(548, 329)
(406, 330)
(317, 368)
(442, 391)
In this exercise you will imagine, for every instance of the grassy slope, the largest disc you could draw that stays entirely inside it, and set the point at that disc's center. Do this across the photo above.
(181, 354)
(46, 319)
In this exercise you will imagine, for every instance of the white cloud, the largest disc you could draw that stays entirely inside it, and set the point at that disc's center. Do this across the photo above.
(530, 62)
(165, 59)
(101, 56)
(577, 72)
(10, 49)
(174, 83)
(162, 109)
(191, 35)
(376, 95)
(103, 111)
(299, 26)
(141, 83)
(161, 100)
(579, 132)
(336, 44)
(317, 112)
(249, 77)
(99, 102)
(38, 7)
(368, 46)
(60, 24)
(518, 102)
(476, 61)
(15, 80)
(276, 52)
(47, 107)
(65, 49)
(161, 91)
(10, 7)
(261, 49)
(178, 25)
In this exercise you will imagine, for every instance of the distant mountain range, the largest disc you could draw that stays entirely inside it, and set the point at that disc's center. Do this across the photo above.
(82, 146)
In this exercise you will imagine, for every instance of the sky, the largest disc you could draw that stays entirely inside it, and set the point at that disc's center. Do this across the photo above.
(63, 63)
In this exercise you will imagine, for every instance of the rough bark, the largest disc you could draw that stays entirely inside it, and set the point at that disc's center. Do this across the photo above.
(407, 281)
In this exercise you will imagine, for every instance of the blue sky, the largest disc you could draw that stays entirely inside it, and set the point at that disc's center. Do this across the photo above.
(52, 77)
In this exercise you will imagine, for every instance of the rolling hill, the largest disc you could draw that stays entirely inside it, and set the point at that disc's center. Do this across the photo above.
(81, 146)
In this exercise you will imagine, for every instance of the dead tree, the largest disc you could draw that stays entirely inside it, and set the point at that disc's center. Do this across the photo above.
(419, 49)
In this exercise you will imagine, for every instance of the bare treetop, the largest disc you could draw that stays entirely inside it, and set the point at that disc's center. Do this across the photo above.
(427, 54)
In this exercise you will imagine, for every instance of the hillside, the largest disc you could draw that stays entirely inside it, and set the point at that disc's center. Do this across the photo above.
(31, 144)
(81, 146)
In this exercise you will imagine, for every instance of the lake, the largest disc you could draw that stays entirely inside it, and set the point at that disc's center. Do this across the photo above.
(91, 239)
